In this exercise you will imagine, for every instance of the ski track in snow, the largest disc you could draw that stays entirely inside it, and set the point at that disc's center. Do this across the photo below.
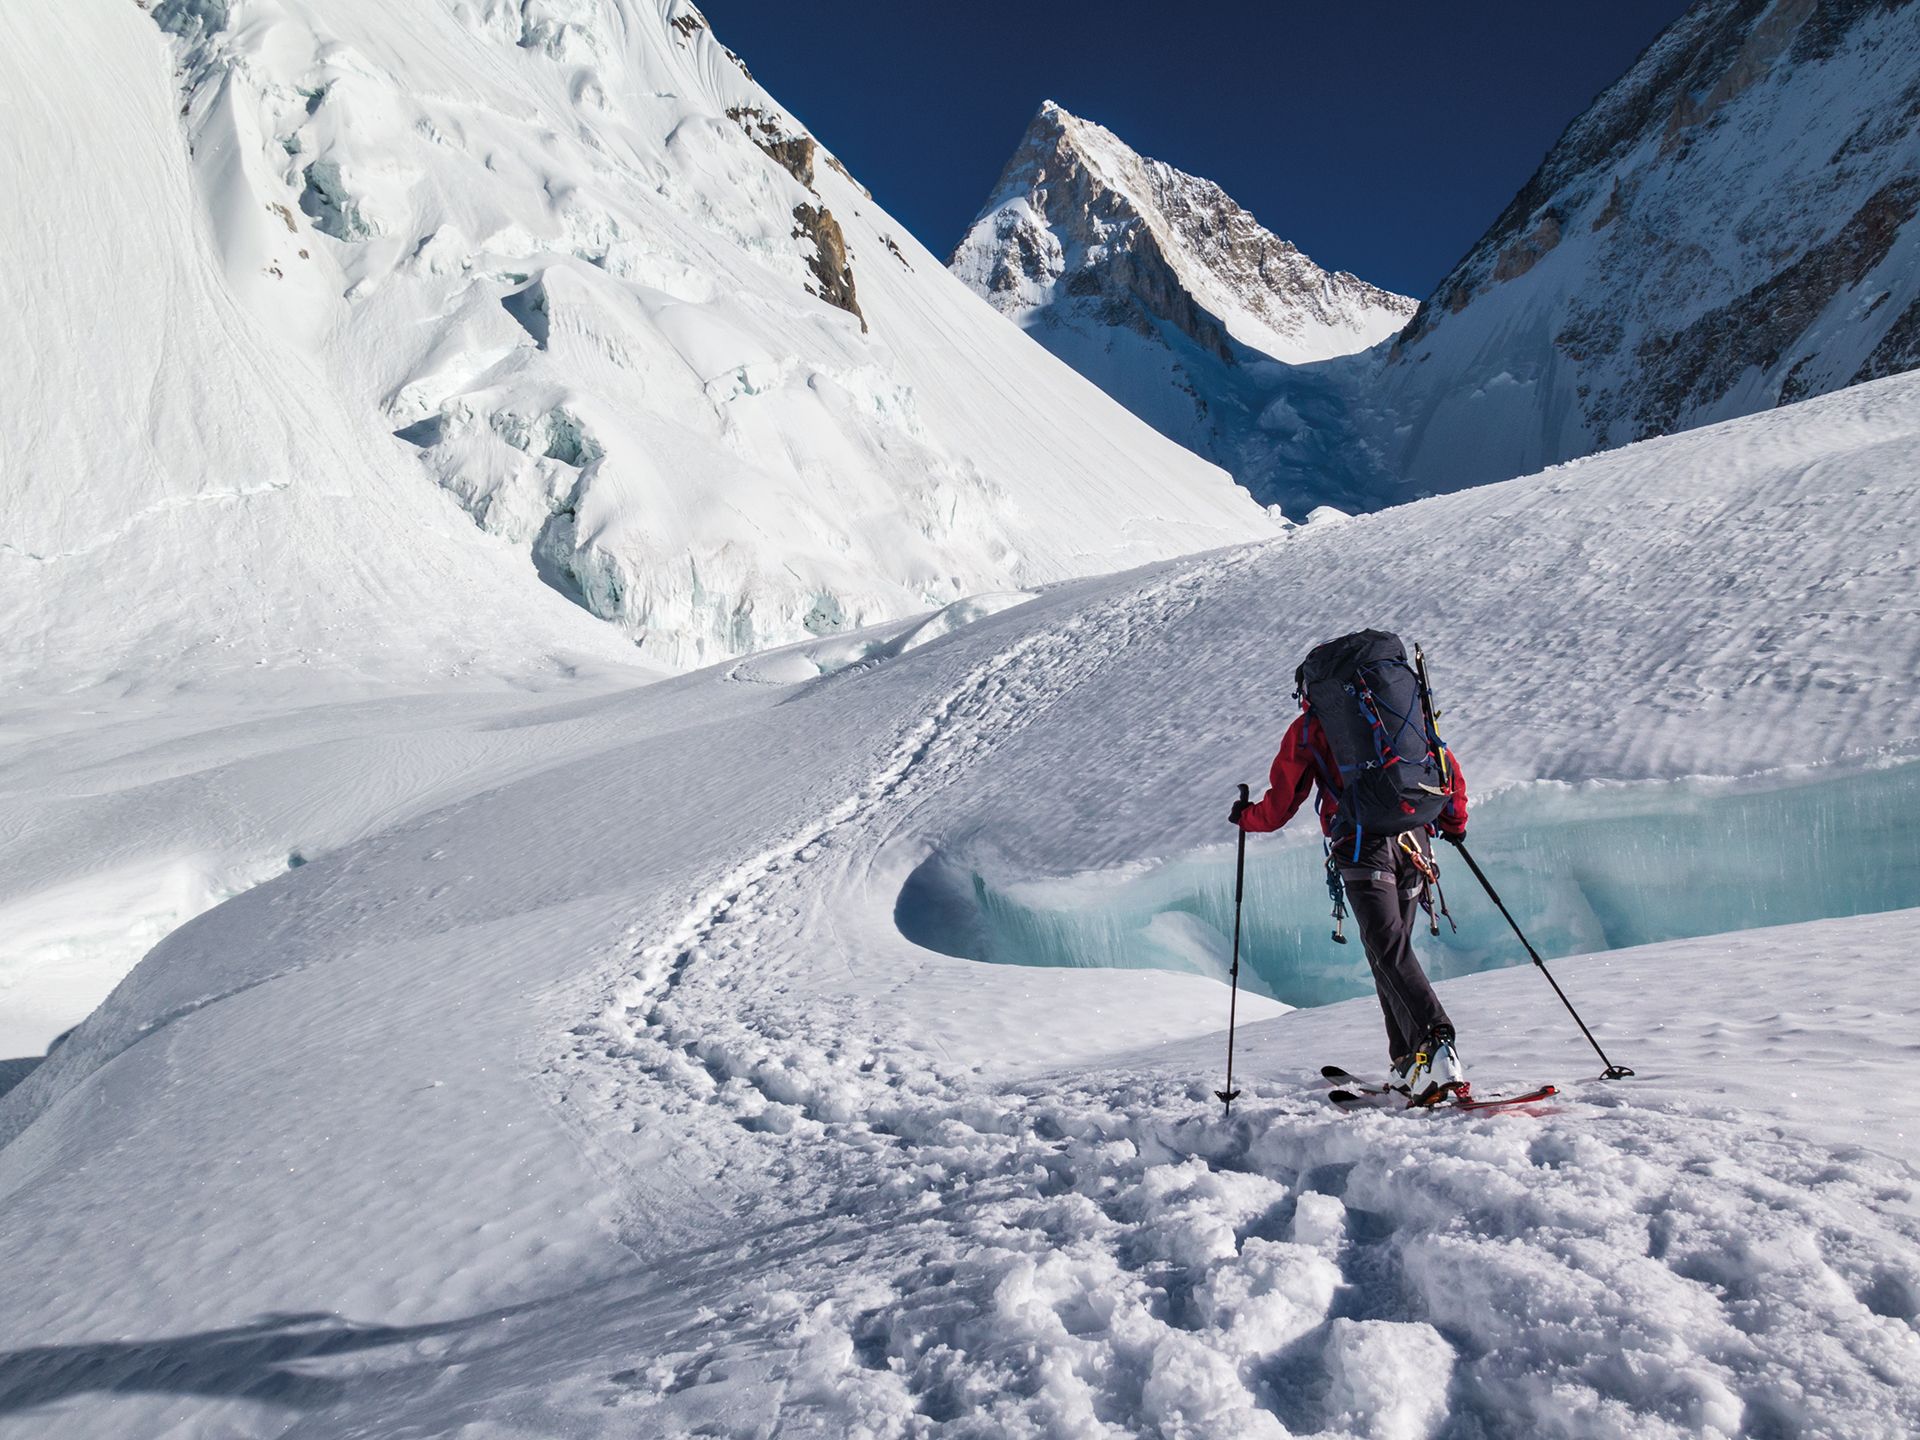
(759, 900)
(1102, 1255)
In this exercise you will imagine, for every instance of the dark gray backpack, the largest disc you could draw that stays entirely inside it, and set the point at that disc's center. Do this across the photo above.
(1367, 699)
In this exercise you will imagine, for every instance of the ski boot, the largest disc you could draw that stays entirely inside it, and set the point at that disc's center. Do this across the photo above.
(1434, 1072)
(1398, 1068)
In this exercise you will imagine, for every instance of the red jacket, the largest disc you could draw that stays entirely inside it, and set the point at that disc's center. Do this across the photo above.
(1306, 760)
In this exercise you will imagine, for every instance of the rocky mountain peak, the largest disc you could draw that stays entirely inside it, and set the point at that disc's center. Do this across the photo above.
(1164, 291)
(1079, 216)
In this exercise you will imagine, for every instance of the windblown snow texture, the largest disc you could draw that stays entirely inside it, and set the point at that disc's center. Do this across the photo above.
(1158, 287)
(598, 1092)
(570, 259)
(549, 1054)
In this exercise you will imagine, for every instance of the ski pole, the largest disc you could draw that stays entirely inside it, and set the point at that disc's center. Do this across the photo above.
(1613, 1071)
(1229, 1095)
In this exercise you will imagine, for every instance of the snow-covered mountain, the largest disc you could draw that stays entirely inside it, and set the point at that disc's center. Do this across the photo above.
(184, 491)
(565, 259)
(613, 1067)
(1160, 288)
(1730, 226)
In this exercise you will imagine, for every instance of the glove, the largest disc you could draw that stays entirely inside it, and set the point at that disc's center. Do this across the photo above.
(1240, 807)
(1454, 837)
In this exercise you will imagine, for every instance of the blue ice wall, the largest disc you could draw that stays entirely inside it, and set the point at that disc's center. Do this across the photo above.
(1583, 867)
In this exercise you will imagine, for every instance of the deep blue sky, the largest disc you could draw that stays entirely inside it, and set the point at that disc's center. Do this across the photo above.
(1381, 136)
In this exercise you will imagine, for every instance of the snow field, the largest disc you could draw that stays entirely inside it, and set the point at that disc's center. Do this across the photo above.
(1668, 1293)
(715, 1149)
(581, 1081)
(1124, 1285)
(132, 819)
(1094, 1253)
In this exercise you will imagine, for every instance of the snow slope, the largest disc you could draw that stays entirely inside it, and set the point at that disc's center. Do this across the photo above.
(251, 242)
(643, 327)
(1155, 285)
(182, 496)
(606, 1097)
(1733, 225)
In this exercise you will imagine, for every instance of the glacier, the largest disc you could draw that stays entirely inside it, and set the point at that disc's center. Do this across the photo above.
(571, 264)
(529, 1043)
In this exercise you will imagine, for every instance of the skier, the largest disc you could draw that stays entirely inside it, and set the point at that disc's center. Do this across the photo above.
(1362, 716)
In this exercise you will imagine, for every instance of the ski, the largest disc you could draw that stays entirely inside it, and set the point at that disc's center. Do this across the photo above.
(1348, 1080)
(1501, 1102)
(1368, 1098)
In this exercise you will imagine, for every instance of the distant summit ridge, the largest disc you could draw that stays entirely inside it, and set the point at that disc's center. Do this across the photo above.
(1734, 224)
(1158, 286)
(1078, 215)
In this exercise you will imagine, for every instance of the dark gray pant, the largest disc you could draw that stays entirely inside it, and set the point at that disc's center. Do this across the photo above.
(1383, 891)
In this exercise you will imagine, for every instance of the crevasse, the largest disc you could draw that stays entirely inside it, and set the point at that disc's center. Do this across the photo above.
(1587, 867)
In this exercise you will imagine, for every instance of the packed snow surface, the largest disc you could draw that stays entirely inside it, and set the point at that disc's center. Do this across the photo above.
(598, 1092)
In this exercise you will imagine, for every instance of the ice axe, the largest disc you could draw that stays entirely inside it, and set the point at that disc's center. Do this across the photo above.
(1229, 1095)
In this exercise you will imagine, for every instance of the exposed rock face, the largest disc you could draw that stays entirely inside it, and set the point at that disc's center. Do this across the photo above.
(1698, 363)
(1529, 250)
(1898, 350)
(1730, 226)
(792, 151)
(1078, 213)
(1158, 286)
(829, 264)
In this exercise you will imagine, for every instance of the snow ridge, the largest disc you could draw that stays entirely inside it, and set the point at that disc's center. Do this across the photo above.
(536, 1147)
(672, 1038)
(1076, 206)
